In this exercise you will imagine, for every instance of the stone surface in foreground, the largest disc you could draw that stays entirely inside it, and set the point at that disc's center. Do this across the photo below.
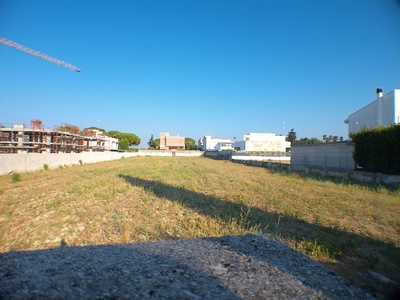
(237, 267)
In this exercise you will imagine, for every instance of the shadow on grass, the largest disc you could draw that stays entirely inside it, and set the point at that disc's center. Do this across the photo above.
(313, 239)
(208, 268)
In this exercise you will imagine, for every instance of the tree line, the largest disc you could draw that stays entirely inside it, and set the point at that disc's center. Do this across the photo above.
(292, 138)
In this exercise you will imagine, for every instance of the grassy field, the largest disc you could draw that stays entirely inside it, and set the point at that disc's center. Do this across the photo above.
(349, 227)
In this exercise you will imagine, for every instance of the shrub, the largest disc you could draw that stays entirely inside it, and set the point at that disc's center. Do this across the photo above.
(63, 243)
(45, 167)
(378, 149)
(15, 177)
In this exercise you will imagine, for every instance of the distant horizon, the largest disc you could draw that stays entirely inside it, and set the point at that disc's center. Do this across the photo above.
(154, 135)
(196, 139)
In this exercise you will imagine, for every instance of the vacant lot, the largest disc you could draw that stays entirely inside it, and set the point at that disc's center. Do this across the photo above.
(349, 227)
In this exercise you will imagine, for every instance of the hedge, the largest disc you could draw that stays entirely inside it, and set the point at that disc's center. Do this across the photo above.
(378, 149)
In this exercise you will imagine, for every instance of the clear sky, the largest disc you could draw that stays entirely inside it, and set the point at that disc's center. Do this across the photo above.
(197, 67)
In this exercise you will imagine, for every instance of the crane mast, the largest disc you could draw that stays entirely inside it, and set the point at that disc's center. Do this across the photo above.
(17, 46)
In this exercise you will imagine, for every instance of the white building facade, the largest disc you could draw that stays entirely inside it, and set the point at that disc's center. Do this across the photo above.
(102, 141)
(262, 142)
(111, 144)
(209, 143)
(383, 111)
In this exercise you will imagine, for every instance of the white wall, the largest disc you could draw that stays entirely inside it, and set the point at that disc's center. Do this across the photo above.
(111, 143)
(260, 158)
(23, 162)
(382, 111)
(239, 145)
(386, 115)
(262, 142)
(396, 100)
(223, 146)
(210, 143)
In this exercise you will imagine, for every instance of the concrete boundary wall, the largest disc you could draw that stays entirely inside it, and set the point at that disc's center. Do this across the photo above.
(190, 153)
(261, 158)
(23, 162)
(328, 155)
(360, 176)
(245, 155)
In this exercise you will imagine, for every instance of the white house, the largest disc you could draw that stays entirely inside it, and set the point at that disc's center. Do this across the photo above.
(262, 142)
(209, 143)
(110, 144)
(383, 111)
(102, 141)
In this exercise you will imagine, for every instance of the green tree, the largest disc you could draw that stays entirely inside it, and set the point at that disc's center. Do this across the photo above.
(307, 141)
(152, 144)
(327, 139)
(330, 138)
(314, 141)
(96, 128)
(123, 145)
(126, 140)
(157, 142)
(190, 144)
(114, 133)
(69, 128)
(291, 136)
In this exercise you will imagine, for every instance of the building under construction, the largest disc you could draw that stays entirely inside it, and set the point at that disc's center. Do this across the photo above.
(36, 139)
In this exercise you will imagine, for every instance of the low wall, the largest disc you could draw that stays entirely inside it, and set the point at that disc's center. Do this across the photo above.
(218, 154)
(190, 153)
(328, 155)
(247, 155)
(260, 155)
(23, 162)
(360, 176)
(261, 158)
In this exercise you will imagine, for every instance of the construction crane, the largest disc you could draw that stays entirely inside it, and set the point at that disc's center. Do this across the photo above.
(17, 46)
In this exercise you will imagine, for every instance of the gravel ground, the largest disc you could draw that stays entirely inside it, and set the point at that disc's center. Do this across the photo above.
(237, 267)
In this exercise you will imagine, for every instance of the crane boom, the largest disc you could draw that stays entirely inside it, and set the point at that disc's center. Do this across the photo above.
(17, 46)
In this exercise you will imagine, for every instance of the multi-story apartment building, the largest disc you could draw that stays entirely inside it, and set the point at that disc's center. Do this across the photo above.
(19, 138)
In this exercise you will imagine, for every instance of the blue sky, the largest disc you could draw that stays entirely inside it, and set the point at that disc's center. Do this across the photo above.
(195, 68)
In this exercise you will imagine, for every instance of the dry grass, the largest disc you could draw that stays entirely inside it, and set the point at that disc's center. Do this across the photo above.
(347, 226)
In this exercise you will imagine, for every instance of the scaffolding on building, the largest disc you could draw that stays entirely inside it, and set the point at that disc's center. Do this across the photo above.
(18, 138)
